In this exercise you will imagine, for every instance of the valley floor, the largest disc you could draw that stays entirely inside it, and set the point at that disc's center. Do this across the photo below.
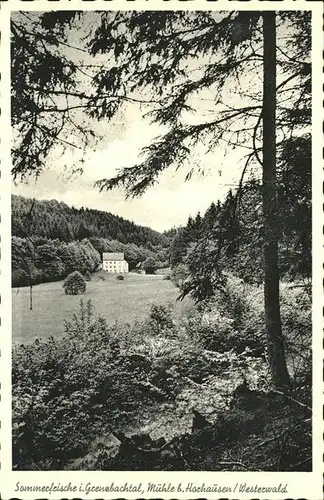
(118, 301)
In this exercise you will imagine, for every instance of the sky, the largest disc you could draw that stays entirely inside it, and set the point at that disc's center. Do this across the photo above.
(168, 204)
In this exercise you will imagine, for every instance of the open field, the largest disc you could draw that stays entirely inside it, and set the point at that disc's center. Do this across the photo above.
(123, 301)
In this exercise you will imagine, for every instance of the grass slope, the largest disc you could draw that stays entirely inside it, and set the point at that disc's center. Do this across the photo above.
(123, 301)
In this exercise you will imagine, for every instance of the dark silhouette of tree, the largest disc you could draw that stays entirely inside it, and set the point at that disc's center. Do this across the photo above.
(179, 246)
(210, 217)
(276, 350)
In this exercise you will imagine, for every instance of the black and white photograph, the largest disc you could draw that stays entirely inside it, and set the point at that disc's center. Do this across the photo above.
(161, 244)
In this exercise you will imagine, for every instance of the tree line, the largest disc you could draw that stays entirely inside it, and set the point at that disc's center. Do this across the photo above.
(45, 260)
(51, 240)
(39, 260)
(230, 235)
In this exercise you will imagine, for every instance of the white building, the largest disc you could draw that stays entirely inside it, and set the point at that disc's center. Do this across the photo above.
(114, 262)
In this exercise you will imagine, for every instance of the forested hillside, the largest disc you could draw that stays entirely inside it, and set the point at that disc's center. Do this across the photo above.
(52, 219)
(51, 239)
(229, 236)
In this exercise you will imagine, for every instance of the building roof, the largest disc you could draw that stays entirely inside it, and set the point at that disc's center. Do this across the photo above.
(112, 256)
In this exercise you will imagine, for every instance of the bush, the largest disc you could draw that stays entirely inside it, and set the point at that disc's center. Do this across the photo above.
(211, 329)
(120, 277)
(74, 283)
(160, 319)
(243, 303)
(150, 265)
(87, 276)
(179, 274)
(296, 315)
(68, 391)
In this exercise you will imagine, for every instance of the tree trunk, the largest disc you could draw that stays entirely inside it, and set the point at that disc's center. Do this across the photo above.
(275, 343)
(30, 295)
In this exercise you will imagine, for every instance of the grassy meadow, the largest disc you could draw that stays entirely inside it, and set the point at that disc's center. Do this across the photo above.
(118, 301)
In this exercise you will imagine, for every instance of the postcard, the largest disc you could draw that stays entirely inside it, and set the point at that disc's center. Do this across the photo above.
(161, 249)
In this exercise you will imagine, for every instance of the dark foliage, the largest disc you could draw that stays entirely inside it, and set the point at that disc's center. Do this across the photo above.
(74, 284)
(42, 260)
(156, 56)
(230, 237)
(52, 219)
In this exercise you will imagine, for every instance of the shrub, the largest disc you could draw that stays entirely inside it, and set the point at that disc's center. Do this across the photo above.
(179, 274)
(68, 391)
(232, 319)
(87, 276)
(74, 283)
(245, 304)
(296, 315)
(160, 318)
(150, 265)
(102, 278)
(120, 277)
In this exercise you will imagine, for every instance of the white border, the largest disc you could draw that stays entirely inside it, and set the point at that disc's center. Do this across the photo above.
(305, 485)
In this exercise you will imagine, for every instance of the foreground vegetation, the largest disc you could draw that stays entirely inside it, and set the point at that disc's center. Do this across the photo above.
(195, 392)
